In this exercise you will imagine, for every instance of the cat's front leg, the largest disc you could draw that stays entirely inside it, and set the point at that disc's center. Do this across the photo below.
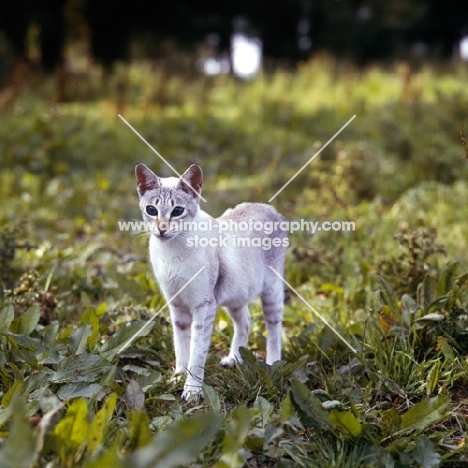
(181, 323)
(203, 317)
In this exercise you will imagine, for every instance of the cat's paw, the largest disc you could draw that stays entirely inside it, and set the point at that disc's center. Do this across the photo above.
(230, 361)
(192, 392)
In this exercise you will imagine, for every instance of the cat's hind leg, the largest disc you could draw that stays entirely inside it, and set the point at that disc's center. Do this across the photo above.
(241, 319)
(273, 304)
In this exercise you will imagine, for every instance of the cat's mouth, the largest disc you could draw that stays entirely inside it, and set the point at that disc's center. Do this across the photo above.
(164, 237)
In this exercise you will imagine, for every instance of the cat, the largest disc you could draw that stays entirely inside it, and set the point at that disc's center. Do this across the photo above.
(233, 276)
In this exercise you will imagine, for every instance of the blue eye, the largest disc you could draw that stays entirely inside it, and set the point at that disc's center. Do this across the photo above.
(151, 210)
(177, 211)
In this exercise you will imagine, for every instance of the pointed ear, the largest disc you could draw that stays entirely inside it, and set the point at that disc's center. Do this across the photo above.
(192, 178)
(146, 178)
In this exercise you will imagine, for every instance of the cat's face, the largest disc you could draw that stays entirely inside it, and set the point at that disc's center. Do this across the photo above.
(167, 202)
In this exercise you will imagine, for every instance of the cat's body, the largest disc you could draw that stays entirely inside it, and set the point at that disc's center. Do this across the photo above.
(234, 273)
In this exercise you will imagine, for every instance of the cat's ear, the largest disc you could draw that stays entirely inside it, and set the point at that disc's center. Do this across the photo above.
(192, 178)
(146, 178)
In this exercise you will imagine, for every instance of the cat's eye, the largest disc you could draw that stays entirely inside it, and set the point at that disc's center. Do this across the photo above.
(151, 210)
(177, 211)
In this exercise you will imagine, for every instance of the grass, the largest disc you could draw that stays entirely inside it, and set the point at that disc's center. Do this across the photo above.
(74, 287)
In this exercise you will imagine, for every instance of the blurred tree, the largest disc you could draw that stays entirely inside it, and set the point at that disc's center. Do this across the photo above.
(369, 29)
(15, 21)
(50, 18)
(360, 29)
(16, 18)
(290, 29)
(186, 23)
(110, 23)
(446, 23)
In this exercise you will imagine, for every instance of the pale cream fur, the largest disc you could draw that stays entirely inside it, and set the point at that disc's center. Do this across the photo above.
(233, 277)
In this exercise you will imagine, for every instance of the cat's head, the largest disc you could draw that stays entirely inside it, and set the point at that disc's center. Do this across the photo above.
(166, 202)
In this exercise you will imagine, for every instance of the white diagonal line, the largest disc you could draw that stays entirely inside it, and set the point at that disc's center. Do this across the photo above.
(316, 313)
(162, 308)
(312, 158)
(158, 154)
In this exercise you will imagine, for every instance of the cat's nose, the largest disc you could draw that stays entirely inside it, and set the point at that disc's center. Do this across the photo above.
(162, 227)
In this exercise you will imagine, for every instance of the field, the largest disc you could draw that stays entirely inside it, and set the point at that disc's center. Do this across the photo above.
(74, 287)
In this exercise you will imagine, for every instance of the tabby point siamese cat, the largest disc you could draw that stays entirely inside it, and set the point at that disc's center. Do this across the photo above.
(233, 276)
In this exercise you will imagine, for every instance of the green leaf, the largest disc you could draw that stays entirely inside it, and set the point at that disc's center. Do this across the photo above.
(115, 343)
(178, 444)
(16, 388)
(409, 307)
(287, 407)
(90, 317)
(108, 377)
(456, 290)
(428, 292)
(148, 379)
(160, 422)
(24, 341)
(386, 293)
(391, 421)
(425, 455)
(100, 309)
(48, 356)
(391, 384)
(437, 304)
(110, 458)
(247, 356)
(82, 368)
(424, 414)
(447, 279)
(7, 314)
(266, 409)
(332, 404)
(272, 433)
(346, 422)
(18, 450)
(128, 285)
(38, 380)
(432, 317)
(79, 389)
(140, 433)
(50, 334)
(433, 378)
(29, 320)
(311, 410)
(212, 398)
(72, 430)
(78, 343)
(134, 396)
(446, 349)
(409, 304)
(234, 439)
(136, 369)
(100, 424)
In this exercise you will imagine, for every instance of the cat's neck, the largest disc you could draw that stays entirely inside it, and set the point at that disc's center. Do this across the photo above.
(201, 217)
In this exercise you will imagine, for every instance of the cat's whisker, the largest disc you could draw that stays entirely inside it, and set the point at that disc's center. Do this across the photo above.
(141, 235)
